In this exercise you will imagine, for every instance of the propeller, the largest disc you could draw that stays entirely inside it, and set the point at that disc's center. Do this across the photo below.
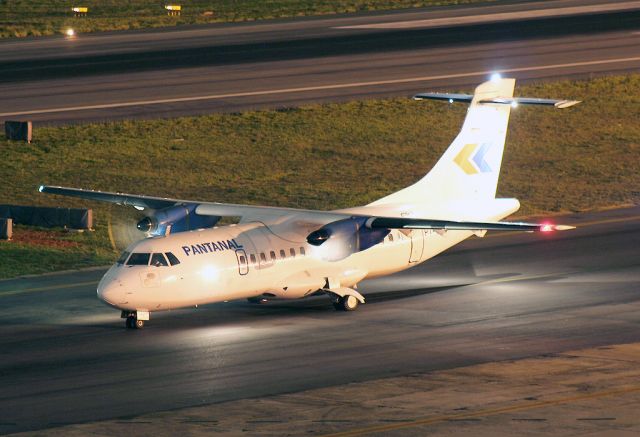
(131, 225)
(123, 229)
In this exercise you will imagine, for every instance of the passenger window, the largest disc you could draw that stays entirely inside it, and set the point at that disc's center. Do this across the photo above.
(138, 259)
(283, 254)
(302, 251)
(242, 259)
(292, 251)
(158, 260)
(273, 255)
(263, 258)
(391, 238)
(123, 258)
(253, 258)
(173, 260)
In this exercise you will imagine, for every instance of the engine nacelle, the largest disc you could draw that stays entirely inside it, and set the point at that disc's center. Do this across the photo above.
(342, 238)
(177, 218)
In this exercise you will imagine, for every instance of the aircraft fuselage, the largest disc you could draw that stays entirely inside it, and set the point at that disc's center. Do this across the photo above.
(253, 260)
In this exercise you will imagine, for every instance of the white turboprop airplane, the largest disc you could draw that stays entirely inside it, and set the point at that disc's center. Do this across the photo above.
(284, 253)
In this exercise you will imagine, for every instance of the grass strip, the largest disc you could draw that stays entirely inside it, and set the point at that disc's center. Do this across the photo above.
(19, 18)
(327, 156)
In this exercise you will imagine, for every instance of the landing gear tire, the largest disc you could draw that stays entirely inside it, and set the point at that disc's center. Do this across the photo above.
(346, 303)
(133, 323)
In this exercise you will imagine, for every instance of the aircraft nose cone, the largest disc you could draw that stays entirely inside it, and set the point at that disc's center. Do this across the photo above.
(111, 292)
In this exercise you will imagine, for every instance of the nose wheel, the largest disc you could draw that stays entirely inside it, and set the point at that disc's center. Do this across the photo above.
(133, 320)
(133, 323)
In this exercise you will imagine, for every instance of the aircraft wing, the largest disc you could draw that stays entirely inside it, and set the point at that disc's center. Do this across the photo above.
(140, 202)
(247, 212)
(264, 213)
(451, 225)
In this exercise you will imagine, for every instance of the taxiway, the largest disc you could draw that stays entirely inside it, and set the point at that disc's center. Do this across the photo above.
(67, 358)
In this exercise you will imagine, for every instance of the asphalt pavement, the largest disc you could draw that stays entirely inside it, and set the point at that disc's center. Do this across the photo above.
(284, 63)
(67, 358)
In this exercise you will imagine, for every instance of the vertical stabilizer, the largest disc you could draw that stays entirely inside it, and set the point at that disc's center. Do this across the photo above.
(470, 167)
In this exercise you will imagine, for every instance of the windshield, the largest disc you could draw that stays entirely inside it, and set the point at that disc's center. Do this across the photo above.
(144, 259)
(123, 257)
(172, 258)
(158, 260)
(138, 259)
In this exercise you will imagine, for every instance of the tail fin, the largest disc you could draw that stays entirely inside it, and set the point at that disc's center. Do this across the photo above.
(470, 167)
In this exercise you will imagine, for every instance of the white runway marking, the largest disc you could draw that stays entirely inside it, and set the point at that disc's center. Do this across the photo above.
(319, 87)
(497, 17)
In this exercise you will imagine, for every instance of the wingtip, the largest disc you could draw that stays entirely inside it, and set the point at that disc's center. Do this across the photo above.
(563, 227)
(547, 227)
(562, 104)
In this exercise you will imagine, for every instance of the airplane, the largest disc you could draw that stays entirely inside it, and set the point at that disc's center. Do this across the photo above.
(286, 253)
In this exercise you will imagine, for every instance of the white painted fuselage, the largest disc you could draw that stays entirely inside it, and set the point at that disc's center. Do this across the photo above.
(255, 260)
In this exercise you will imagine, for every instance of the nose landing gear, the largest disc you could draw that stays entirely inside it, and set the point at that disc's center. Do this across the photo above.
(133, 323)
(135, 319)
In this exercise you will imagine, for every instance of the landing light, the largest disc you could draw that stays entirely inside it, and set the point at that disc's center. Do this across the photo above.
(514, 104)
(70, 33)
(209, 273)
(450, 100)
(496, 77)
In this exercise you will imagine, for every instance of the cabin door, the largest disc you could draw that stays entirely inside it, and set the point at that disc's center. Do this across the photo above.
(243, 263)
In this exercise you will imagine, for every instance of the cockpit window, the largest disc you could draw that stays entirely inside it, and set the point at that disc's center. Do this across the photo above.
(172, 258)
(158, 260)
(123, 257)
(138, 259)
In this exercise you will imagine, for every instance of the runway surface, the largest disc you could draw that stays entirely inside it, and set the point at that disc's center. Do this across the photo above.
(284, 63)
(66, 358)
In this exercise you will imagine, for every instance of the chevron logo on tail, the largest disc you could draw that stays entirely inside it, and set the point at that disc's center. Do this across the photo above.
(471, 159)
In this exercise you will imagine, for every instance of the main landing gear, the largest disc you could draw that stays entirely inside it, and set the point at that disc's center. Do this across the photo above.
(346, 303)
(345, 299)
(135, 319)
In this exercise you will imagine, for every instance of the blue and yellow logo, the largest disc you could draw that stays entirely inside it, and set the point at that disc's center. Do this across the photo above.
(471, 159)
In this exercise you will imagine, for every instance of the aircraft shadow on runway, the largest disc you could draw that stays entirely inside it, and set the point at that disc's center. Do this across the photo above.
(242, 312)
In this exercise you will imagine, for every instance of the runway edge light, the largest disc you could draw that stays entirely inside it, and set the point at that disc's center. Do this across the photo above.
(173, 9)
(80, 11)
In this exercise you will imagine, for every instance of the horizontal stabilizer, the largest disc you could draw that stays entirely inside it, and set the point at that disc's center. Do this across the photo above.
(513, 101)
(444, 96)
